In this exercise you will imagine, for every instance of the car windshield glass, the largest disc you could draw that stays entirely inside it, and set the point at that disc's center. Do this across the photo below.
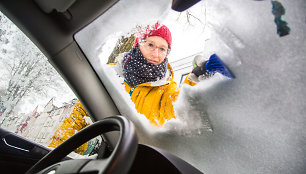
(239, 73)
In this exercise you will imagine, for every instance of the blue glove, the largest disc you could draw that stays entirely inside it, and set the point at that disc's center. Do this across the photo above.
(214, 64)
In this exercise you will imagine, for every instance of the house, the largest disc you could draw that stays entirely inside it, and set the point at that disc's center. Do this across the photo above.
(41, 127)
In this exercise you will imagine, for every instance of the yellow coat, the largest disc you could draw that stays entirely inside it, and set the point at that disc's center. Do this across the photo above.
(155, 102)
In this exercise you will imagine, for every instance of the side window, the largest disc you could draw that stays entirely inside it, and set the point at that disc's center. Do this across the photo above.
(35, 101)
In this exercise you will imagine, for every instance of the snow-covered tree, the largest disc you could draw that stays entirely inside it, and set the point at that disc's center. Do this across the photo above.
(124, 44)
(25, 71)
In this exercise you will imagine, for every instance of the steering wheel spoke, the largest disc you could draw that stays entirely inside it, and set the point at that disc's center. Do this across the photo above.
(68, 166)
(95, 166)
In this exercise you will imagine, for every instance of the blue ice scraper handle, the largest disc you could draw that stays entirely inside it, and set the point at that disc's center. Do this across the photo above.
(214, 64)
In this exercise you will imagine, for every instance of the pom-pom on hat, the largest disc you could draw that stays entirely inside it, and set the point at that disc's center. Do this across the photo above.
(154, 30)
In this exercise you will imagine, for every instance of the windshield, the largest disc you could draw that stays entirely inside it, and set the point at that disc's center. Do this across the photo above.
(244, 116)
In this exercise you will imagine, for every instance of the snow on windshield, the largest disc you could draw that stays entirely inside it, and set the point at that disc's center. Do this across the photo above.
(252, 124)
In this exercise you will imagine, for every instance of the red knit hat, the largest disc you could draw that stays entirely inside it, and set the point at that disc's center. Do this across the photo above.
(154, 30)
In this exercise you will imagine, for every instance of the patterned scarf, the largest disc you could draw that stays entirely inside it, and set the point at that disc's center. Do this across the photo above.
(137, 70)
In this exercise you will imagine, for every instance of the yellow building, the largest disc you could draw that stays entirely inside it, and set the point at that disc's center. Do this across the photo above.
(71, 125)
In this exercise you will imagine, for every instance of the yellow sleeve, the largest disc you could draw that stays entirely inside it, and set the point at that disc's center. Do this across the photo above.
(189, 82)
(170, 96)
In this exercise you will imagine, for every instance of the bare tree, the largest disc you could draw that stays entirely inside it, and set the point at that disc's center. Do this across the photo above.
(192, 18)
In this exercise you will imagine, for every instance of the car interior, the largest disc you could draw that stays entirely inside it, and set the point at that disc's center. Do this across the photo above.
(253, 123)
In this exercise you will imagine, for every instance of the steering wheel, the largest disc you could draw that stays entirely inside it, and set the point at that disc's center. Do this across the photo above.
(119, 161)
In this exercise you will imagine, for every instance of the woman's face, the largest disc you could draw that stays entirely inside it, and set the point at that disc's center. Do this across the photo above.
(154, 49)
